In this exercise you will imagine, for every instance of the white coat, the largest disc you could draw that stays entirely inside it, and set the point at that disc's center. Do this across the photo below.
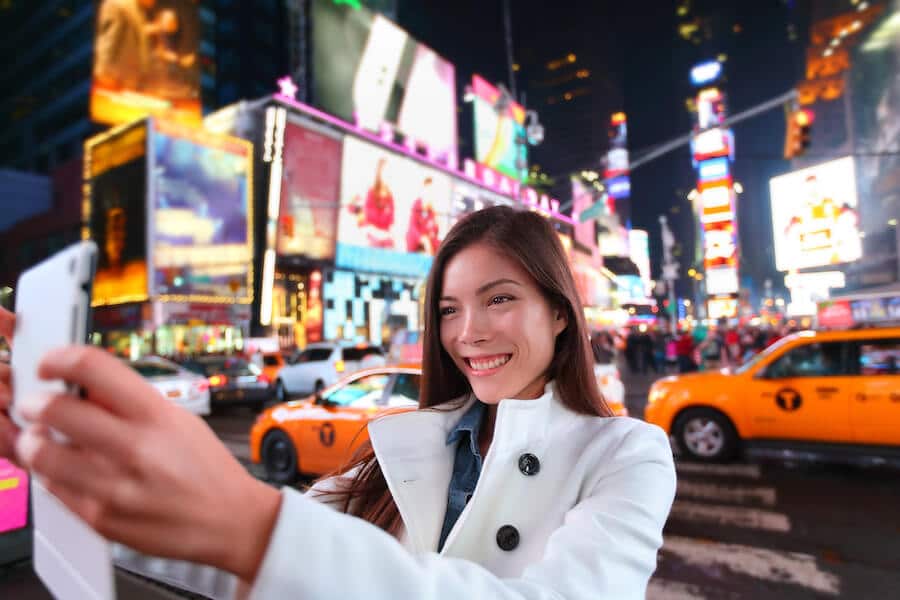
(589, 521)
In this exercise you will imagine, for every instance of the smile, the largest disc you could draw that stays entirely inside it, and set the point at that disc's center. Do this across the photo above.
(483, 364)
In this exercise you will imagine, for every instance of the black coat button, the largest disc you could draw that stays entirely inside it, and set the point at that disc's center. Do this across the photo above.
(529, 464)
(508, 538)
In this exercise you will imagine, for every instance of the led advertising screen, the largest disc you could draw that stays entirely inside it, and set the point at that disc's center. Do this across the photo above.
(874, 94)
(13, 497)
(499, 131)
(370, 72)
(116, 213)
(202, 215)
(310, 193)
(394, 211)
(814, 216)
(146, 61)
(468, 198)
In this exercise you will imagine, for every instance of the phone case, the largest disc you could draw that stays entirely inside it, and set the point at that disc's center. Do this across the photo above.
(53, 308)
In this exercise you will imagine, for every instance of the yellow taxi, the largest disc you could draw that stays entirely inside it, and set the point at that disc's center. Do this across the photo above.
(319, 434)
(811, 394)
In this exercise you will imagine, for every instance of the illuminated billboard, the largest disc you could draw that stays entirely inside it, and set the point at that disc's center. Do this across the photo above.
(394, 211)
(146, 61)
(499, 130)
(202, 215)
(814, 216)
(370, 72)
(310, 192)
(115, 211)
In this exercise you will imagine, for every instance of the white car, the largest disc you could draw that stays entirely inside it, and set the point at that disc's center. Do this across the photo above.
(185, 388)
(610, 383)
(321, 364)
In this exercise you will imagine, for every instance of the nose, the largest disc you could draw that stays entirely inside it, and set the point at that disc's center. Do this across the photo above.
(473, 327)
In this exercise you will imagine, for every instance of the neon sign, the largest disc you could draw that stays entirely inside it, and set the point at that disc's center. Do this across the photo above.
(706, 72)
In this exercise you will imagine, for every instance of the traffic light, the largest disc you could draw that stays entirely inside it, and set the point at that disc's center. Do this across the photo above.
(797, 135)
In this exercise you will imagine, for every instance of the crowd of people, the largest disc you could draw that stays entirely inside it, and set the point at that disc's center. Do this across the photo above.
(657, 348)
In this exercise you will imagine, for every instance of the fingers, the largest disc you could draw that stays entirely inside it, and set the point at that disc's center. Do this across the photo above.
(108, 381)
(7, 324)
(66, 465)
(83, 423)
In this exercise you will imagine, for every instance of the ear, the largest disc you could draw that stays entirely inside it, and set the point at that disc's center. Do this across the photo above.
(560, 321)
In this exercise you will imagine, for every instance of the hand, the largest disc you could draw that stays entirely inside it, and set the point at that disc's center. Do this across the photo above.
(143, 471)
(8, 430)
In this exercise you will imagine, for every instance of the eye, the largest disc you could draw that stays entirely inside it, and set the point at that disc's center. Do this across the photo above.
(500, 299)
(447, 310)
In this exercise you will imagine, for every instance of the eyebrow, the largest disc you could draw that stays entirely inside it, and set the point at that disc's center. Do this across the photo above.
(486, 287)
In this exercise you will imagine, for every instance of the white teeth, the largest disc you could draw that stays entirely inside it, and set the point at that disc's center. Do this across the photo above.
(483, 365)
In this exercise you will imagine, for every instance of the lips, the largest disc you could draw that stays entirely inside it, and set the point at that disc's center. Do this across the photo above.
(486, 363)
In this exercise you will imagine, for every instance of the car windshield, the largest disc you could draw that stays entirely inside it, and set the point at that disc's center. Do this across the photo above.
(750, 364)
(271, 361)
(314, 355)
(360, 353)
(362, 392)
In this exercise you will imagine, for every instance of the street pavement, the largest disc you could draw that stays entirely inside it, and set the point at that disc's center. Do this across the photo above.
(750, 530)
(745, 530)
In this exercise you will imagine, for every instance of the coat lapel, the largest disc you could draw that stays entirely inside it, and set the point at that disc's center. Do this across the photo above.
(417, 463)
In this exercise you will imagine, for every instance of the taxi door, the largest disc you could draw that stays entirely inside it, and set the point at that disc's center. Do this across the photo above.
(803, 395)
(343, 412)
(875, 405)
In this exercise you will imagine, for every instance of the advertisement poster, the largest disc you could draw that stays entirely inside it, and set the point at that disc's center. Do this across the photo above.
(146, 60)
(310, 193)
(583, 198)
(874, 83)
(499, 132)
(394, 212)
(116, 213)
(13, 497)
(468, 198)
(814, 216)
(202, 216)
(370, 72)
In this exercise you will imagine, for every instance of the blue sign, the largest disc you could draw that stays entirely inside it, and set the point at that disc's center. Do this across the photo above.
(380, 260)
(706, 72)
(619, 187)
(713, 169)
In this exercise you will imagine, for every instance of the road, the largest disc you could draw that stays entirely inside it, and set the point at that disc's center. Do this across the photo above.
(740, 531)
(769, 530)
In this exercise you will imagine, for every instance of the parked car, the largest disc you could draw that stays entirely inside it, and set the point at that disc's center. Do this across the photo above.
(176, 383)
(272, 362)
(321, 364)
(826, 394)
(233, 380)
(319, 434)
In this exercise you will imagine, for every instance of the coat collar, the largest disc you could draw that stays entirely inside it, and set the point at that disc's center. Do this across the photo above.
(417, 463)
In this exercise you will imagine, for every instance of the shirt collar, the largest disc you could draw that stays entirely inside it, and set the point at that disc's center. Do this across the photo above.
(469, 423)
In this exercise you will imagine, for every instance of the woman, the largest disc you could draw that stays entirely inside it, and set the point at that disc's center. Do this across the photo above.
(569, 503)
(376, 217)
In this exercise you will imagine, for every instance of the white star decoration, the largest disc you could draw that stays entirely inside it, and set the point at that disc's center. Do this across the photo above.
(287, 87)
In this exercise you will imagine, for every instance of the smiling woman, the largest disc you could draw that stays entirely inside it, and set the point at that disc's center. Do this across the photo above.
(511, 482)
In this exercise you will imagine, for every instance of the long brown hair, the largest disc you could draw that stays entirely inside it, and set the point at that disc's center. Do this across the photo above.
(529, 239)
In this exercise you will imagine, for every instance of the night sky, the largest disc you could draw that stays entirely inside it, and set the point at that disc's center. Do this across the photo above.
(650, 62)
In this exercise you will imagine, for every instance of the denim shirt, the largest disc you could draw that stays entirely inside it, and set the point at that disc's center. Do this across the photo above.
(466, 466)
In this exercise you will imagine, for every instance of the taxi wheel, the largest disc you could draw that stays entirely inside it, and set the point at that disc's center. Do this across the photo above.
(279, 457)
(706, 435)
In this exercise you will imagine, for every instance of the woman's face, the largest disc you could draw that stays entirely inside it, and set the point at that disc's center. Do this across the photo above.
(496, 325)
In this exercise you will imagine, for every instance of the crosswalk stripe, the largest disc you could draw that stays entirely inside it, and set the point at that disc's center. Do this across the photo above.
(747, 471)
(665, 589)
(760, 563)
(738, 494)
(735, 516)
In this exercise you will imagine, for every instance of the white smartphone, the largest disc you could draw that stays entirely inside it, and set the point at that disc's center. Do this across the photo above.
(53, 310)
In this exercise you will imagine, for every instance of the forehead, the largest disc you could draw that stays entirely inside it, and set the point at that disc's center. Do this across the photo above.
(477, 265)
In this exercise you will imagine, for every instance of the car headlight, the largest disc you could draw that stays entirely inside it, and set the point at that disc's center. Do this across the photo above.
(656, 393)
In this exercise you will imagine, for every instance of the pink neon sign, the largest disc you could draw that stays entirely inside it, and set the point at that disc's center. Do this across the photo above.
(476, 173)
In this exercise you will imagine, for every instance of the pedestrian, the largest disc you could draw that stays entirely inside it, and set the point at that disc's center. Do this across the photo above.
(569, 503)
(684, 350)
